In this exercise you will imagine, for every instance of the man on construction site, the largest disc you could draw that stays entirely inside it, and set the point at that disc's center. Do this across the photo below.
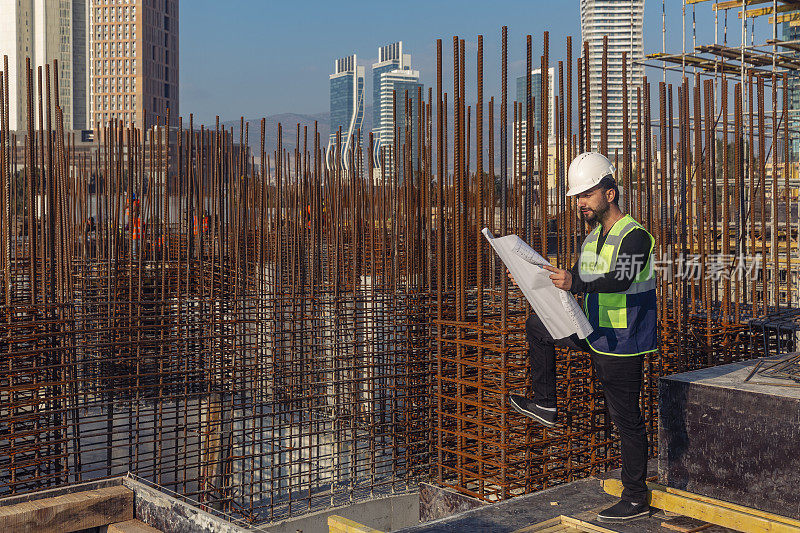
(136, 226)
(615, 275)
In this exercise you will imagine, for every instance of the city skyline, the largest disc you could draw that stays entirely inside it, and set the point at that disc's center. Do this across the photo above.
(243, 322)
(224, 76)
(116, 59)
(208, 70)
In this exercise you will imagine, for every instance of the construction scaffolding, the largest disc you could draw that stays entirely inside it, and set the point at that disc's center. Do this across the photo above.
(276, 338)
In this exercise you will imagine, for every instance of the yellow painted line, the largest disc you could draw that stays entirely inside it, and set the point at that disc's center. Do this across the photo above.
(710, 510)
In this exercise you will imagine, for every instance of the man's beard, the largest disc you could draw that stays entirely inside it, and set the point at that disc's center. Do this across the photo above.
(596, 216)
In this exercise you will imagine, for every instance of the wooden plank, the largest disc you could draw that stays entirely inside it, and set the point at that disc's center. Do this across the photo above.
(69, 512)
(736, 507)
(563, 524)
(131, 526)
(582, 525)
(786, 17)
(710, 510)
(791, 45)
(684, 524)
(340, 524)
(561, 528)
(761, 11)
(733, 4)
(558, 528)
(539, 525)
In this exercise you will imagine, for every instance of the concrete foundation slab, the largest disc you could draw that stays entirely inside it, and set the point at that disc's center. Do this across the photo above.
(731, 440)
(439, 502)
(390, 513)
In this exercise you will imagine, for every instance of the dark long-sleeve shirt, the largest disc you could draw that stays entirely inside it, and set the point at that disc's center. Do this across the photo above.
(636, 245)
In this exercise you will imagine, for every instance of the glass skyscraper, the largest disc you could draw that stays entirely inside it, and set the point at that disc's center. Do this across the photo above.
(392, 78)
(347, 110)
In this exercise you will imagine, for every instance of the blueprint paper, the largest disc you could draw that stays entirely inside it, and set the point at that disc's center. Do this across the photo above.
(560, 313)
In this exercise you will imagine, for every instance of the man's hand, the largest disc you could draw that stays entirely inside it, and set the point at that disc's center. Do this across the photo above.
(511, 277)
(560, 278)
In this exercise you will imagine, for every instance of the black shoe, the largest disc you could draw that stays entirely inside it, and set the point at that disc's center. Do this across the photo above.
(622, 511)
(524, 406)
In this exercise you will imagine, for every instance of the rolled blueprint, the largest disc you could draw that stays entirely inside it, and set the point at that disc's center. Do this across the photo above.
(560, 313)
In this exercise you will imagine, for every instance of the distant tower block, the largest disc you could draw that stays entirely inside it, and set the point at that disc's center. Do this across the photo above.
(44, 31)
(792, 33)
(392, 76)
(520, 137)
(621, 21)
(347, 109)
(134, 61)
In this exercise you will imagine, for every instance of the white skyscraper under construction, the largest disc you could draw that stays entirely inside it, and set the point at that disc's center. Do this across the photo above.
(621, 21)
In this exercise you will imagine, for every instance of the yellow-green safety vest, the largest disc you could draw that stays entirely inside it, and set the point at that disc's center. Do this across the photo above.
(624, 322)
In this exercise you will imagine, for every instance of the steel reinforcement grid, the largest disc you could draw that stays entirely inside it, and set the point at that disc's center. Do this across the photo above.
(270, 333)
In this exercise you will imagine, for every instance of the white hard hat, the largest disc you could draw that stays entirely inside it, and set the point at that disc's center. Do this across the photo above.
(586, 171)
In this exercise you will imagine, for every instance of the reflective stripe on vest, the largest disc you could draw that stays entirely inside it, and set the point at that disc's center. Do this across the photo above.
(624, 322)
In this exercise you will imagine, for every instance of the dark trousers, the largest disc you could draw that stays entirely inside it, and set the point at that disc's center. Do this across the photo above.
(621, 378)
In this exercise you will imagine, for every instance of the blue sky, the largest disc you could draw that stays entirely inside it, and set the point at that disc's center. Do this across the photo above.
(262, 57)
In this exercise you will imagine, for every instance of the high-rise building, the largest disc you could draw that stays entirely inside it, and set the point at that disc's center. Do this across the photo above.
(522, 97)
(44, 31)
(134, 61)
(390, 57)
(400, 101)
(393, 81)
(621, 21)
(347, 109)
(792, 33)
